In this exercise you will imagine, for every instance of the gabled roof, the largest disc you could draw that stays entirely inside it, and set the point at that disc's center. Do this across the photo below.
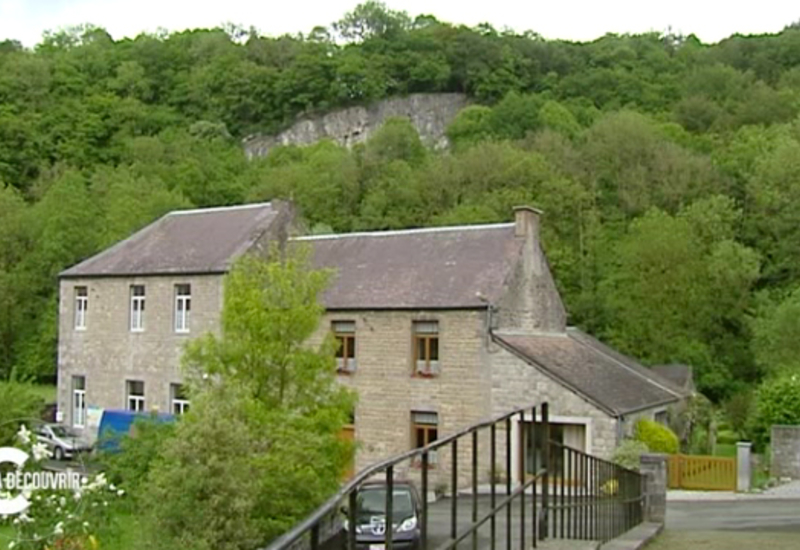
(448, 267)
(582, 364)
(679, 375)
(185, 241)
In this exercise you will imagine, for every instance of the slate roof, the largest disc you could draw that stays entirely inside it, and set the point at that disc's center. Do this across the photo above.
(680, 375)
(577, 361)
(188, 241)
(448, 267)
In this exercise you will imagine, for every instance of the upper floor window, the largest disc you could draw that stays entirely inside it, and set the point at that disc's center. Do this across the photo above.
(78, 401)
(137, 307)
(183, 305)
(662, 417)
(426, 348)
(179, 400)
(135, 395)
(345, 333)
(81, 307)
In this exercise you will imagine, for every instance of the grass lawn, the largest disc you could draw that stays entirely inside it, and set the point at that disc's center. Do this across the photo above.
(723, 540)
(125, 536)
(725, 449)
(46, 392)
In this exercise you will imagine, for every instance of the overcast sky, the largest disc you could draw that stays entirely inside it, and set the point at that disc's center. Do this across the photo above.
(711, 20)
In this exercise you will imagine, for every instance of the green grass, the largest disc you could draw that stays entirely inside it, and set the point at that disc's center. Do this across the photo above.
(725, 449)
(6, 535)
(722, 540)
(46, 392)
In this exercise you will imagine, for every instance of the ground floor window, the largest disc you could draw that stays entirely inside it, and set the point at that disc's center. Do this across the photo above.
(135, 395)
(179, 401)
(79, 401)
(424, 431)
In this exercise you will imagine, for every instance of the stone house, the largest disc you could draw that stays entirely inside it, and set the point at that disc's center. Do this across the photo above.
(439, 328)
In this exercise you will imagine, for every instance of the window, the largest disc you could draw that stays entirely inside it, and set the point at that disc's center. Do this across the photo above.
(183, 305)
(135, 389)
(179, 400)
(81, 306)
(345, 333)
(137, 307)
(78, 401)
(662, 417)
(424, 431)
(426, 348)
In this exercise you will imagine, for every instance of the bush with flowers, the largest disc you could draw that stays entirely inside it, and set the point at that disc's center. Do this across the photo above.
(62, 518)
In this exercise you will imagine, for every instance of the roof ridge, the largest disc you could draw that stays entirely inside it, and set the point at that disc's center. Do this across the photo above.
(396, 232)
(219, 209)
(666, 387)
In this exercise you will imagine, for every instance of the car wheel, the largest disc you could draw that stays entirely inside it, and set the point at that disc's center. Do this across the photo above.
(58, 453)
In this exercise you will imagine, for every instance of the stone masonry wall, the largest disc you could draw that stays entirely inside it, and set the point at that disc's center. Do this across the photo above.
(107, 353)
(429, 113)
(515, 384)
(786, 452)
(388, 391)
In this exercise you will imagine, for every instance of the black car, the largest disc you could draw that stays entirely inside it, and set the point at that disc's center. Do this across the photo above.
(371, 516)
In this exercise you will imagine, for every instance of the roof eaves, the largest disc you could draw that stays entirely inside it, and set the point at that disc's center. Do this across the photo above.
(192, 273)
(111, 249)
(548, 372)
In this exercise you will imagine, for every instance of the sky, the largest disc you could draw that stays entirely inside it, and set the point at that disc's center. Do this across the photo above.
(710, 20)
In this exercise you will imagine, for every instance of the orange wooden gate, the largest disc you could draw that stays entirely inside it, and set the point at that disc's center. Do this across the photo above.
(709, 473)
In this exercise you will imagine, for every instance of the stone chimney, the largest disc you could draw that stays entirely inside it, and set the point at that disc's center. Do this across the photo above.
(526, 221)
(531, 302)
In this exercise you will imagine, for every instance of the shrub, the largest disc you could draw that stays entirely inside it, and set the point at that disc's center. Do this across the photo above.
(129, 465)
(19, 403)
(777, 402)
(657, 437)
(628, 454)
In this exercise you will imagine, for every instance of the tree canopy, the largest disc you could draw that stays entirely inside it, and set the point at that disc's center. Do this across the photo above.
(667, 168)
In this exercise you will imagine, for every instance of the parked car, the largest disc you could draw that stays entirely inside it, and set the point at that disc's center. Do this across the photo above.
(371, 516)
(62, 441)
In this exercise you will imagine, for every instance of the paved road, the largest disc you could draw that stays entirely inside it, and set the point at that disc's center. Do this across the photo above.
(756, 515)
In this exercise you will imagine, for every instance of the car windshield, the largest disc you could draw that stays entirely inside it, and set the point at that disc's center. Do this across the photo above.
(61, 431)
(372, 503)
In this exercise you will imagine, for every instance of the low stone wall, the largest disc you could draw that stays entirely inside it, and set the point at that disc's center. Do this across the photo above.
(785, 452)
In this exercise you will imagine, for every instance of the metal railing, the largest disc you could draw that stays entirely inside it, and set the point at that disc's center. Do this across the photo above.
(564, 493)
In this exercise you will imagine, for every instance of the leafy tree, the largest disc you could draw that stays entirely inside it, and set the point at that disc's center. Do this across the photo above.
(259, 448)
(776, 334)
(777, 403)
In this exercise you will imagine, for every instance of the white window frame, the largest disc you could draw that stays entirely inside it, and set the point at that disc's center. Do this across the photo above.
(137, 308)
(81, 306)
(134, 402)
(183, 306)
(175, 402)
(79, 402)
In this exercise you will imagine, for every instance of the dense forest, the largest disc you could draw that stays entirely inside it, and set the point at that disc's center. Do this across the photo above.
(668, 169)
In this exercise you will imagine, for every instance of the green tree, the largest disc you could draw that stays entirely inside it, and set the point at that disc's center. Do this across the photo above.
(776, 334)
(260, 447)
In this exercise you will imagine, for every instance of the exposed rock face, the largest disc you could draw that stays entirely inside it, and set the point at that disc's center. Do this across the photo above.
(430, 114)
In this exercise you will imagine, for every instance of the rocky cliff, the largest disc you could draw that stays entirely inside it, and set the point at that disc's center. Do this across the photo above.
(430, 114)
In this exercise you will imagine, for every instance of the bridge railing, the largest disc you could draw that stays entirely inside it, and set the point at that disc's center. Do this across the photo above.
(562, 492)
